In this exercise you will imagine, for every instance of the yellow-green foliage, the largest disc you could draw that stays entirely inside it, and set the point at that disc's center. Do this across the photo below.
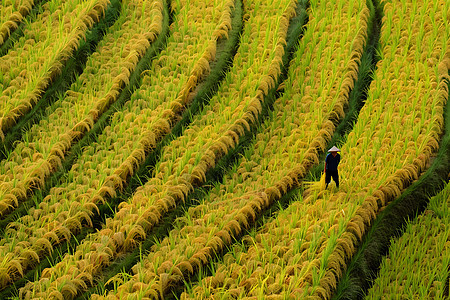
(303, 251)
(107, 72)
(186, 160)
(196, 239)
(39, 55)
(31, 162)
(11, 16)
(103, 167)
(417, 264)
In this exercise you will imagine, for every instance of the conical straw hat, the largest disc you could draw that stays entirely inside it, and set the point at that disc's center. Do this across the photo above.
(334, 149)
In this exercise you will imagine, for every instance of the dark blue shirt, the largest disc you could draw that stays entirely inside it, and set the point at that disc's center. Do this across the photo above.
(332, 161)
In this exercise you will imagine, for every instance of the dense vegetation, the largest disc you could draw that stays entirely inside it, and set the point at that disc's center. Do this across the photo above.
(170, 149)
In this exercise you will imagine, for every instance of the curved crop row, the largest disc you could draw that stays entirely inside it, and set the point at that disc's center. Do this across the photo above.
(303, 251)
(103, 167)
(185, 161)
(39, 56)
(417, 266)
(107, 72)
(286, 148)
(11, 15)
(206, 230)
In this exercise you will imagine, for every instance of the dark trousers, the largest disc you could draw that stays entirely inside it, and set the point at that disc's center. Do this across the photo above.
(331, 174)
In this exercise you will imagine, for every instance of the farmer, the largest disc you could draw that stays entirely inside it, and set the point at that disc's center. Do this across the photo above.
(331, 165)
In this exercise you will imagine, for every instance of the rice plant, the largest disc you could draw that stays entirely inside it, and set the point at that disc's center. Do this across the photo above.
(183, 240)
(33, 158)
(39, 56)
(334, 223)
(11, 16)
(302, 251)
(165, 202)
(417, 264)
(107, 164)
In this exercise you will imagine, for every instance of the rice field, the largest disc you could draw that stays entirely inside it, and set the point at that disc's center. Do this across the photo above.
(417, 265)
(180, 157)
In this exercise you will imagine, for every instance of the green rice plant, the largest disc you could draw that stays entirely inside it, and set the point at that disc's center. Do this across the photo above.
(372, 181)
(172, 189)
(121, 161)
(38, 57)
(417, 264)
(11, 16)
(222, 237)
(76, 112)
(29, 169)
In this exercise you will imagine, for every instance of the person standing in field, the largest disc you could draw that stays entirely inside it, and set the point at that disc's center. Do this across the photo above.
(331, 166)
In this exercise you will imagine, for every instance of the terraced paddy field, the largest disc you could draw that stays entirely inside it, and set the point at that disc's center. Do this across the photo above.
(173, 149)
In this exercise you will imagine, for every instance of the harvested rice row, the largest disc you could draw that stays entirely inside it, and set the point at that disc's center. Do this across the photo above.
(40, 54)
(11, 15)
(303, 252)
(103, 167)
(206, 230)
(107, 72)
(185, 159)
(417, 266)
